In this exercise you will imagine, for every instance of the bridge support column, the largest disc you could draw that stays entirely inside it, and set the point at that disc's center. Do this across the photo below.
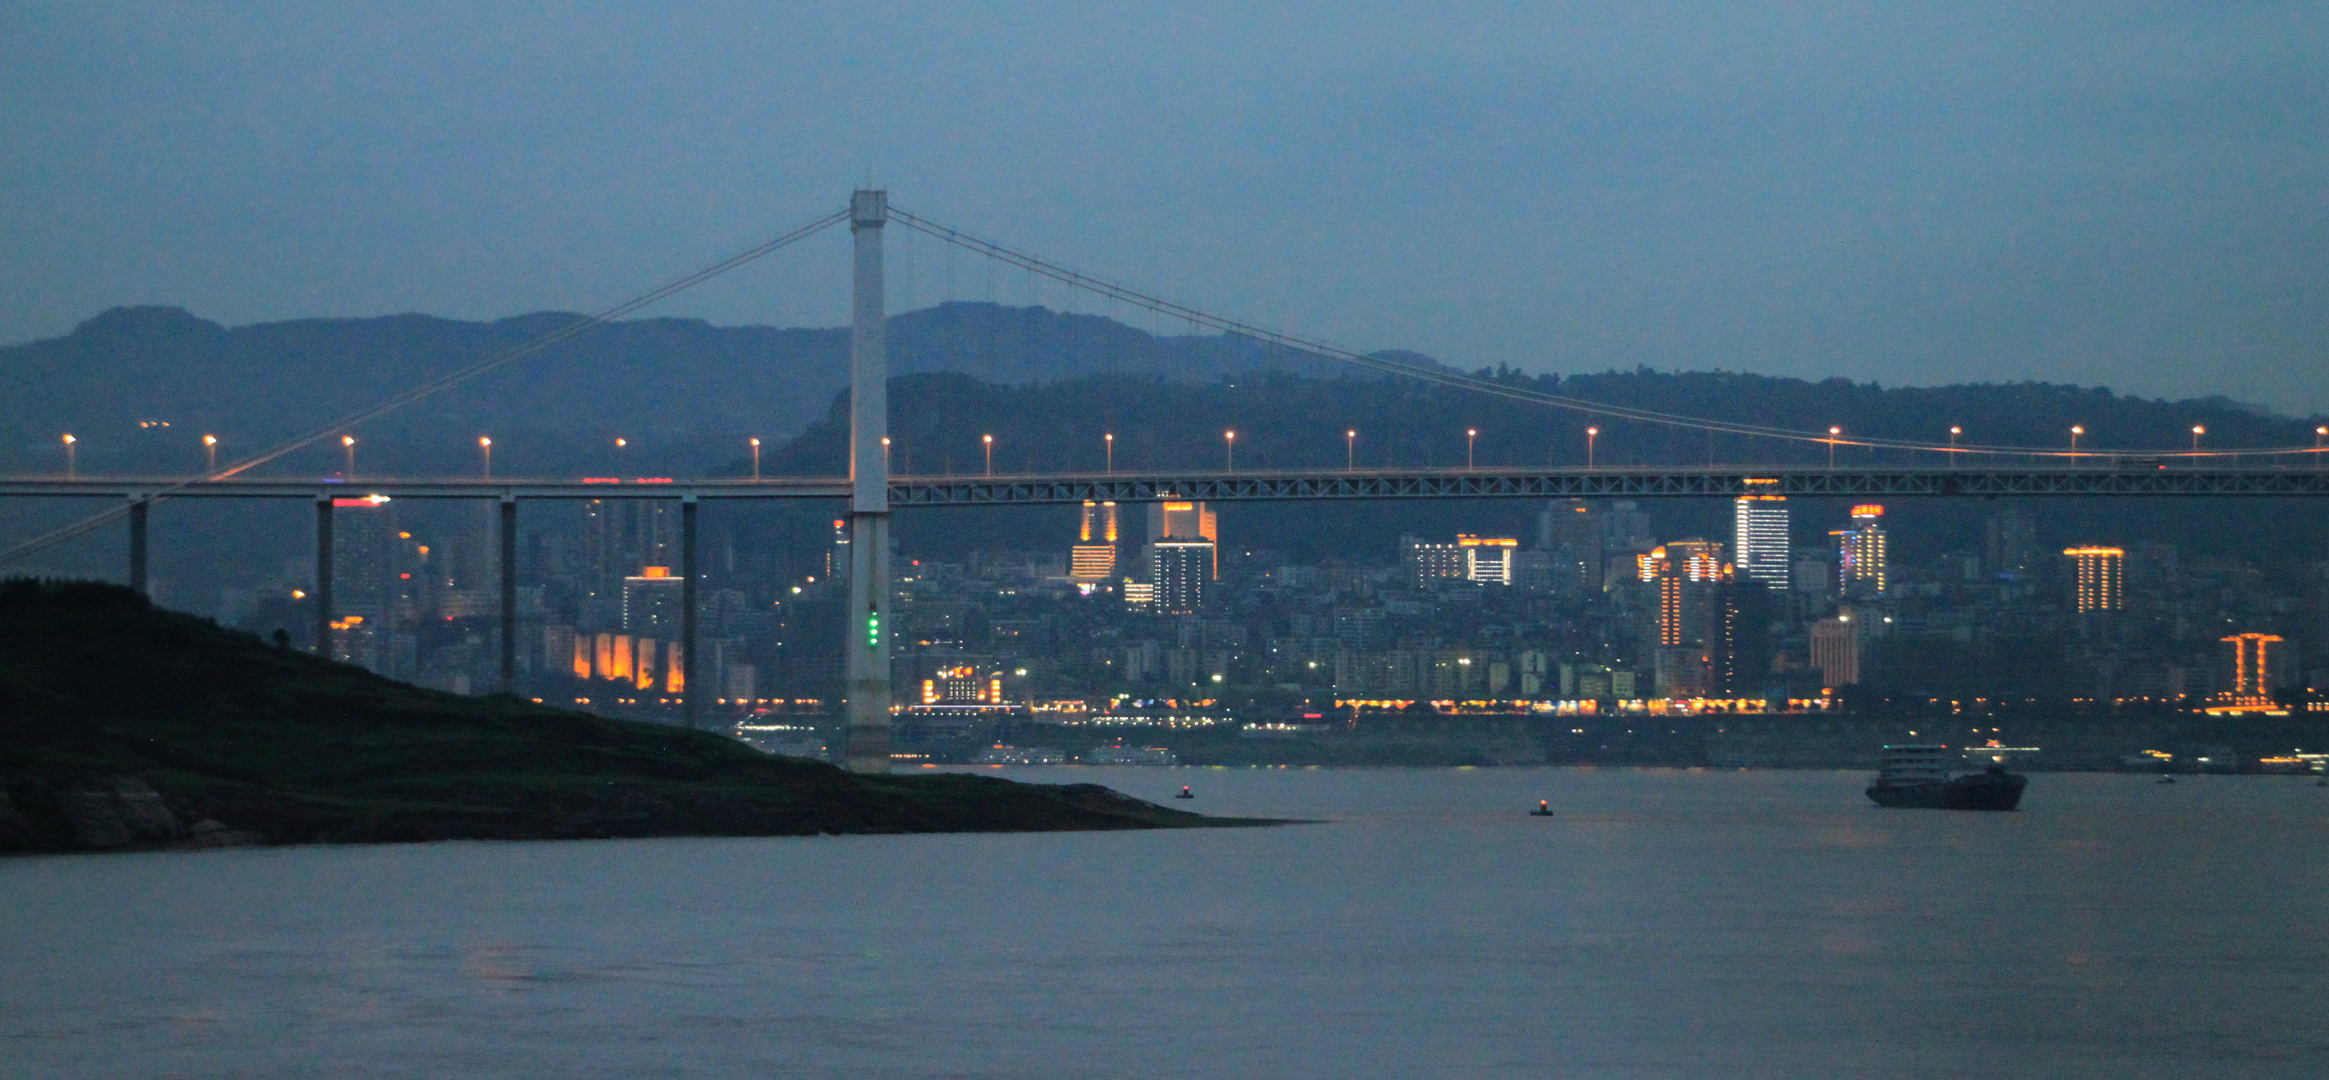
(509, 594)
(323, 575)
(138, 505)
(691, 690)
(866, 635)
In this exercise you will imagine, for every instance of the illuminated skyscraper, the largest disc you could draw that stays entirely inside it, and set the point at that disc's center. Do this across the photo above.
(1696, 619)
(651, 602)
(1427, 562)
(1759, 534)
(1093, 558)
(1487, 559)
(1179, 571)
(1860, 553)
(1835, 649)
(1170, 520)
(2101, 576)
(2254, 663)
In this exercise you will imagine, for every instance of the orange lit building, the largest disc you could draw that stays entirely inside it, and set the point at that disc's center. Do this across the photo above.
(2101, 576)
(1093, 558)
(2255, 658)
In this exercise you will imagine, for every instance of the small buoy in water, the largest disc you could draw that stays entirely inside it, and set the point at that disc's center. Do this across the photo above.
(1184, 793)
(1544, 808)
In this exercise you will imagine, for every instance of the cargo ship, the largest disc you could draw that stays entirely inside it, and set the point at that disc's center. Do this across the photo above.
(1923, 776)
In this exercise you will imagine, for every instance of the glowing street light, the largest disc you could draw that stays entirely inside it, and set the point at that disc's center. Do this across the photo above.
(1832, 433)
(1110, 440)
(485, 449)
(1471, 435)
(885, 455)
(348, 443)
(2197, 431)
(989, 440)
(1229, 440)
(756, 459)
(71, 469)
(2075, 432)
(1591, 434)
(1350, 450)
(210, 454)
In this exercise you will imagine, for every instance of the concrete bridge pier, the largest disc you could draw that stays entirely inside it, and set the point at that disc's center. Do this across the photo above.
(323, 575)
(509, 594)
(138, 505)
(690, 672)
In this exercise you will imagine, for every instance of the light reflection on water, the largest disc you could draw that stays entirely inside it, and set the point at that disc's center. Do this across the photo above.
(1665, 923)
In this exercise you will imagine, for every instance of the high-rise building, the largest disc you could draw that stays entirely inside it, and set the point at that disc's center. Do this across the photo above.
(1179, 571)
(1427, 562)
(1860, 553)
(651, 602)
(1487, 559)
(1696, 620)
(1835, 649)
(2012, 544)
(2255, 664)
(1759, 536)
(1569, 532)
(2100, 573)
(1173, 520)
(1093, 558)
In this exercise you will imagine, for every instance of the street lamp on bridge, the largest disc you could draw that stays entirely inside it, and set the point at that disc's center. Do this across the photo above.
(348, 443)
(989, 442)
(1229, 441)
(485, 449)
(2197, 431)
(1832, 433)
(1591, 434)
(1471, 435)
(756, 458)
(210, 454)
(1350, 450)
(71, 469)
(2075, 432)
(1109, 440)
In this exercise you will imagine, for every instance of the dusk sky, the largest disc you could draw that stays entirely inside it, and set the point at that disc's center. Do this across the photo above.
(2128, 194)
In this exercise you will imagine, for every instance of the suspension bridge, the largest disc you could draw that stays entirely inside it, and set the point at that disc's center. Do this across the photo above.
(1948, 469)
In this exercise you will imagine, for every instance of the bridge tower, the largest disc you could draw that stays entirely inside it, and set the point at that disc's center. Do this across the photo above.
(866, 635)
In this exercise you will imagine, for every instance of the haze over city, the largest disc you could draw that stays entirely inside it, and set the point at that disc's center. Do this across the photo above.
(2091, 194)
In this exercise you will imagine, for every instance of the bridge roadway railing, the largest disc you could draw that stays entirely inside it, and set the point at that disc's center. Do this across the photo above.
(1252, 486)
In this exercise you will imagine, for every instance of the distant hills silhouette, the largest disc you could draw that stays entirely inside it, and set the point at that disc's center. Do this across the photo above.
(687, 394)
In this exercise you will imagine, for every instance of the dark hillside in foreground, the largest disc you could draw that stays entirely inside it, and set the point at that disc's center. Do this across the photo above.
(124, 725)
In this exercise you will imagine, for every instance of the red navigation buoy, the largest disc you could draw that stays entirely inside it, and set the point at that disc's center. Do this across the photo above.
(1184, 793)
(1544, 808)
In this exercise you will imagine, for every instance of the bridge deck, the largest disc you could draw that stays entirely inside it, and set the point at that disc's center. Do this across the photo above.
(1215, 486)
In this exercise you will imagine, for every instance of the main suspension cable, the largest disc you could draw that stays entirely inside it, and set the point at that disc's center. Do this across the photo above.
(437, 386)
(1458, 379)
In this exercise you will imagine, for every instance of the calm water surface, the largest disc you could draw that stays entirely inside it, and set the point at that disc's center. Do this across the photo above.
(1664, 924)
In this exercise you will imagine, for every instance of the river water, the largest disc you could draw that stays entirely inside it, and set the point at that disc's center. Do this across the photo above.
(1665, 923)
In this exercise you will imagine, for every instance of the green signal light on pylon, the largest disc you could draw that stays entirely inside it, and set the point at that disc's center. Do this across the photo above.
(873, 630)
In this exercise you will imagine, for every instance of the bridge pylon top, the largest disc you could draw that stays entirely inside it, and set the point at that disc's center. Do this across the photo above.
(868, 209)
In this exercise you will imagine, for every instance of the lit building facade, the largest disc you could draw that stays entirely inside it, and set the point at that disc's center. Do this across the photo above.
(651, 602)
(1759, 537)
(1179, 570)
(1835, 650)
(1861, 558)
(2100, 573)
(1696, 629)
(1093, 558)
(1427, 562)
(2255, 663)
(1487, 559)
